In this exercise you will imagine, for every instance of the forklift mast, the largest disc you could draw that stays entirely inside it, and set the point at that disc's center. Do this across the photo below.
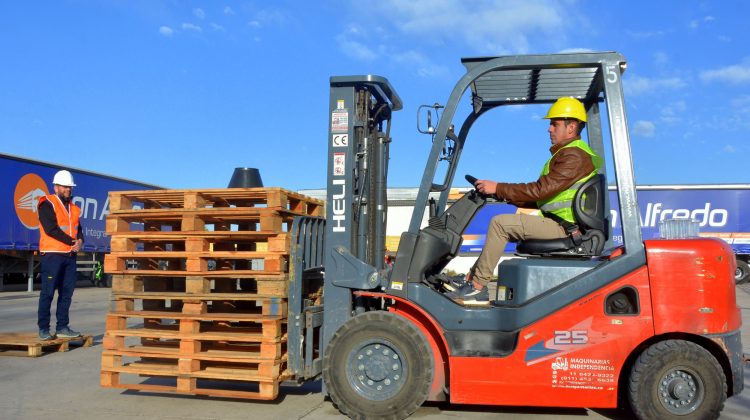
(360, 110)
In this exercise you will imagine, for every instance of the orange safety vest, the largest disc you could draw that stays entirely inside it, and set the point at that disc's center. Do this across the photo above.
(68, 222)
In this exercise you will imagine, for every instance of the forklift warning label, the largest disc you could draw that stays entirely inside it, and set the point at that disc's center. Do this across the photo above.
(340, 121)
(339, 164)
(582, 373)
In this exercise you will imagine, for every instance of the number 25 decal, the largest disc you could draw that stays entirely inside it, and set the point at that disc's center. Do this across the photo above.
(571, 337)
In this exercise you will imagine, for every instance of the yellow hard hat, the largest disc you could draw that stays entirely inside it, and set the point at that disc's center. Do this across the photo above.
(567, 107)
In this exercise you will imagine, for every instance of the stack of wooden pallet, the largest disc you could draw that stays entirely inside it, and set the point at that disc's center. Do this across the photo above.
(199, 290)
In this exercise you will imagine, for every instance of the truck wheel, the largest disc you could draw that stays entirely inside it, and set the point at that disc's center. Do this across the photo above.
(742, 273)
(378, 365)
(677, 379)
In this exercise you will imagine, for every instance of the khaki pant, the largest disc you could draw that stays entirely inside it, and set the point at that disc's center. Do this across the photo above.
(511, 227)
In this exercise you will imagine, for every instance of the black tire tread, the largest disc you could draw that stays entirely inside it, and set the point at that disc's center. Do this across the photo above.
(393, 322)
(645, 365)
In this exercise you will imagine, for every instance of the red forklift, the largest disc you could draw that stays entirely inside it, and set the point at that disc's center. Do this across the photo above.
(576, 323)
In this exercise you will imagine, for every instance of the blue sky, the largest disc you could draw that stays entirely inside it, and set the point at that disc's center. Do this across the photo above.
(178, 93)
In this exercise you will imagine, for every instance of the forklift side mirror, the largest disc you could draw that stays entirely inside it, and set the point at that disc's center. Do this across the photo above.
(424, 113)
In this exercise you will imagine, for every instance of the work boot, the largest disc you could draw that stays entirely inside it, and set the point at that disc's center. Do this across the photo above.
(45, 335)
(66, 332)
(453, 283)
(468, 295)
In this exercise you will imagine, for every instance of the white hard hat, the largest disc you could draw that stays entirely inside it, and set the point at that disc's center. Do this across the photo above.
(64, 178)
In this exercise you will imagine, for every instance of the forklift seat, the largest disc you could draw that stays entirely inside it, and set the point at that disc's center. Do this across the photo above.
(589, 212)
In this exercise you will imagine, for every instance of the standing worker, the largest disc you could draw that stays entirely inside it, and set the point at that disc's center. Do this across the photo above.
(61, 237)
(571, 164)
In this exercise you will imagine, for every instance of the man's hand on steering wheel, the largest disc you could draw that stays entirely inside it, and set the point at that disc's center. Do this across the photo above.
(486, 187)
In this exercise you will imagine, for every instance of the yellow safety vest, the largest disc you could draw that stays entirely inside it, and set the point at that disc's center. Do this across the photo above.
(561, 204)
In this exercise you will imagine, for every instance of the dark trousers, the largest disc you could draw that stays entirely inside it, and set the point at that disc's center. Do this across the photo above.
(58, 273)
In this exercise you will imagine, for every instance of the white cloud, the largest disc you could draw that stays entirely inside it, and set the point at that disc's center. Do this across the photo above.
(487, 26)
(270, 17)
(640, 36)
(254, 24)
(490, 26)
(724, 38)
(199, 13)
(191, 27)
(696, 23)
(729, 149)
(356, 50)
(217, 27)
(660, 58)
(673, 112)
(423, 66)
(734, 74)
(644, 128)
(166, 31)
(228, 11)
(636, 85)
(575, 50)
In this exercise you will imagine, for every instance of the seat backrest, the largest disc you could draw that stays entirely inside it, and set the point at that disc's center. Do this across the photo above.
(589, 205)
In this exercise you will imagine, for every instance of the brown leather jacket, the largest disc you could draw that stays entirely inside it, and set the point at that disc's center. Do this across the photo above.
(566, 167)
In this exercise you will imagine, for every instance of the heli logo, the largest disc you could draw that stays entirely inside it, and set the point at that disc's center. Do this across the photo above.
(339, 207)
(29, 189)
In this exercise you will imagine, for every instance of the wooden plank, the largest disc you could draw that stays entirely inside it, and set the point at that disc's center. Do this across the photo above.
(197, 198)
(243, 337)
(154, 369)
(256, 274)
(194, 297)
(208, 355)
(267, 391)
(202, 254)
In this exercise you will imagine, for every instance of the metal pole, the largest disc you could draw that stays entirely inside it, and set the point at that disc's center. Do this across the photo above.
(30, 271)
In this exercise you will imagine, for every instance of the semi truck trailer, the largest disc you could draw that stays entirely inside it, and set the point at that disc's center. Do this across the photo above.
(24, 181)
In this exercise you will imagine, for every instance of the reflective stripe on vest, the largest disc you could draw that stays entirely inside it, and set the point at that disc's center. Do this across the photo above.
(561, 204)
(67, 220)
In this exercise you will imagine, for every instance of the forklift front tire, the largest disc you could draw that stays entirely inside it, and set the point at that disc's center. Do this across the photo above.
(676, 379)
(378, 365)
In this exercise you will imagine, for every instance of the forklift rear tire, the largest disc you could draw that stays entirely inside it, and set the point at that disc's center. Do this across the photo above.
(677, 379)
(742, 273)
(378, 365)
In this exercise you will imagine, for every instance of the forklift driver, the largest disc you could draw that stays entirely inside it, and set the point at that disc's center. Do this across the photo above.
(571, 164)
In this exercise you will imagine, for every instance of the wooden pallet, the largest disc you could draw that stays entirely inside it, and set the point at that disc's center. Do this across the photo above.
(186, 263)
(190, 377)
(269, 285)
(34, 346)
(194, 344)
(200, 280)
(250, 220)
(202, 303)
(244, 198)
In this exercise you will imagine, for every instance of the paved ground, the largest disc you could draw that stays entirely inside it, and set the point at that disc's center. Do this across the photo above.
(66, 385)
